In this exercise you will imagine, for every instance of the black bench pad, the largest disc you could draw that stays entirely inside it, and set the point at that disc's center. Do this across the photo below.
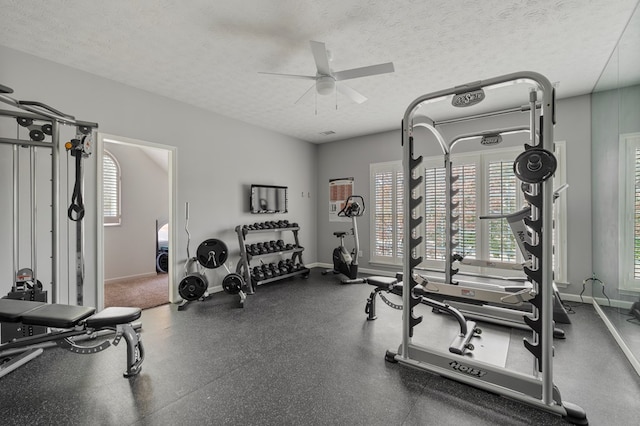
(113, 316)
(381, 281)
(11, 310)
(58, 316)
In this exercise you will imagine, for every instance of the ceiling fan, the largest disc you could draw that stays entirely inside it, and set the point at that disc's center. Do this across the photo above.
(326, 79)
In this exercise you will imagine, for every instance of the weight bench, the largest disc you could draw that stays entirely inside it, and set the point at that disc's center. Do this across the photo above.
(67, 322)
(461, 343)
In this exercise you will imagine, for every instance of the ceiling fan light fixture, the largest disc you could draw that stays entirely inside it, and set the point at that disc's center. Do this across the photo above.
(325, 85)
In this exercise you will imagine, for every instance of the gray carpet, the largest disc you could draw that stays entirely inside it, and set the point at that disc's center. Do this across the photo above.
(143, 293)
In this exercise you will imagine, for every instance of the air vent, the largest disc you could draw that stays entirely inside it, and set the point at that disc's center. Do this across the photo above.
(328, 132)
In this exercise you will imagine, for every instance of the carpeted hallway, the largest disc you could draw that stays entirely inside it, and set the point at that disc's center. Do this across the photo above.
(147, 292)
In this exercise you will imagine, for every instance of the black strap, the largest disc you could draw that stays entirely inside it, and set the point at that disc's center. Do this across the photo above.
(77, 205)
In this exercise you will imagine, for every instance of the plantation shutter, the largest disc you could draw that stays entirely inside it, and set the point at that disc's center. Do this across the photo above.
(387, 219)
(502, 199)
(636, 216)
(384, 213)
(111, 189)
(435, 213)
(466, 209)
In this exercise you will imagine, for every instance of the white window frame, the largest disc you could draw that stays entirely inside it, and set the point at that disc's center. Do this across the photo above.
(482, 159)
(117, 219)
(629, 142)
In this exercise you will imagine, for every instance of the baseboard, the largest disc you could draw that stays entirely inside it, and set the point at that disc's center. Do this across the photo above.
(360, 270)
(601, 300)
(130, 277)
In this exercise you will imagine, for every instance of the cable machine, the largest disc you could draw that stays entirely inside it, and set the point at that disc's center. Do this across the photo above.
(534, 166)
(43, 124)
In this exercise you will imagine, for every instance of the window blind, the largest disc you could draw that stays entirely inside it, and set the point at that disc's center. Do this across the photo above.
(502, 199)
(110, 189)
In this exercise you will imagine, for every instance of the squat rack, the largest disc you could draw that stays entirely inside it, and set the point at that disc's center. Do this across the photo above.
(36, 111)
(538, 389)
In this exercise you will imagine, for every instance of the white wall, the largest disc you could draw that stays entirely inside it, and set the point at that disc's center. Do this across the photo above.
(130, 248)
(352, 158)
(217, 157)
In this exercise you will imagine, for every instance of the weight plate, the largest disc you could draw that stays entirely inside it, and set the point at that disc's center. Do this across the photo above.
(535, 165)
(162, 262)
(36, 135)
(232, 283)
(47, 129)
(192, 287)
(212, 253)
(24, 122)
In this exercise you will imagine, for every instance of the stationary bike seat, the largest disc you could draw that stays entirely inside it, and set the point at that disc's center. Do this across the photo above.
(340, 234)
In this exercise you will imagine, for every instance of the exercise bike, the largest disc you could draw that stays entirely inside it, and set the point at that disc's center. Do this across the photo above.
(346, 263)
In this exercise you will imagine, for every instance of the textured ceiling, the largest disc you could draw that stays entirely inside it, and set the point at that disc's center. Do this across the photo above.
(208, 53)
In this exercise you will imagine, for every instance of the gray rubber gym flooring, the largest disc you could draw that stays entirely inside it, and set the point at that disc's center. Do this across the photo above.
(302, 353)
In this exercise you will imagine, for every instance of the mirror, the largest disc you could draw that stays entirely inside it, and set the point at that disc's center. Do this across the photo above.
(615, 203)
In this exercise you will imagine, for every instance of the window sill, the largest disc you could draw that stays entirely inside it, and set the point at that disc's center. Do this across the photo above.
(386, 264)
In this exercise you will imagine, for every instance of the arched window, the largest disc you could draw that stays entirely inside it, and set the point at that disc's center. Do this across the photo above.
(111, 189)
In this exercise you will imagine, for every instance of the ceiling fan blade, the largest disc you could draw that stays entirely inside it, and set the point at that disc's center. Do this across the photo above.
(364, 71)
(351, 93)
(304, 94)
(306, 77)
(320, 55)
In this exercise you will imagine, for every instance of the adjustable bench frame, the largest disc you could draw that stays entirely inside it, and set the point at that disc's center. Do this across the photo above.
(461, 343)
(68, 324)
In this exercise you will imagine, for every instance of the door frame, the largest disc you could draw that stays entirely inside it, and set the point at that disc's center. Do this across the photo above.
(172, 152)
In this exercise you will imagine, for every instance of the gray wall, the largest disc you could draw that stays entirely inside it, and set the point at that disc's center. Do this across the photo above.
(217, 157)
(352, 158)
(130, 248)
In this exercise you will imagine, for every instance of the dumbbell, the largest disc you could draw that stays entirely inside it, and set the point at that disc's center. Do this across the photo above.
(290, 265)
(274, 269)
(267, 271)
(257, 273)
(282, 266)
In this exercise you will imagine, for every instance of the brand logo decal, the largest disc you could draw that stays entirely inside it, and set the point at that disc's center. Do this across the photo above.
(491, 140)
(468, 98)
(467, 370)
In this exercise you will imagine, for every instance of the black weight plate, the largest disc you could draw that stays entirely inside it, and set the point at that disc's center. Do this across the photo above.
(162, 262)
(535, 165)
(36, 135)
(24, 122)
(232, 283)
(192, 287)
(212, 253)
(47, 129)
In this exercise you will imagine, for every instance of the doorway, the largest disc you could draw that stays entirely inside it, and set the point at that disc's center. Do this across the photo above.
(136, 224)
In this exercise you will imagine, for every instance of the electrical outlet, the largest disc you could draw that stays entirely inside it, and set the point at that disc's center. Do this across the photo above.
(360, 253)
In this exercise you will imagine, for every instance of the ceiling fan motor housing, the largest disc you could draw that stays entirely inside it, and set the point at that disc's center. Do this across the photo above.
(325, 85)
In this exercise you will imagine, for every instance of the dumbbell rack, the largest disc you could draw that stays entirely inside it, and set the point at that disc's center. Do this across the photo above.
(244, 267)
